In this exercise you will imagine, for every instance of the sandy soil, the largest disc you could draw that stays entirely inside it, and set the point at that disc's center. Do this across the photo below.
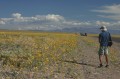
(89, 61)
(83, 64)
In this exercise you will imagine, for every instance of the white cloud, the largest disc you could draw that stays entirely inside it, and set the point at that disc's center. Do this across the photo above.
(113, 12)
(48, 22)
(111, 25)
(43, 22)
(53, 17)
(74, 23)
(102, 23)
(113, 9)
(2, 22)
(116, 25)
(16, 15)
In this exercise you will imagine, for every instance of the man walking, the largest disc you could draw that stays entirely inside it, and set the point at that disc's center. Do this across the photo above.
(104, 38)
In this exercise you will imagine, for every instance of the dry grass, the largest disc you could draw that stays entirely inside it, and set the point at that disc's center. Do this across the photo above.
(26, 52)
(42, 55)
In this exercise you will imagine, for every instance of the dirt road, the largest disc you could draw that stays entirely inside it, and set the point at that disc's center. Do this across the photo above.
(89, 61)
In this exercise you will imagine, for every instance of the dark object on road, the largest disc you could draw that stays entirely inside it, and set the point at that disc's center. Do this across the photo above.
(83, 34)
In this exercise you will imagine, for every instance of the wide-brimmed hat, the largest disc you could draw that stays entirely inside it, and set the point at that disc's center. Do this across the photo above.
(103, 28)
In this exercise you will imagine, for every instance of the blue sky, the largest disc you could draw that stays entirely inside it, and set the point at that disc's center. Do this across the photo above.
(59, 14)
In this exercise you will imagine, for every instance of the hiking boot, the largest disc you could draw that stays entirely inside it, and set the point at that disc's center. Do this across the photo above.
(107, 66)
(100, 66)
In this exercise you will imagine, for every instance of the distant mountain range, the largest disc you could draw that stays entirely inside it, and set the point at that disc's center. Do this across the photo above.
(86, 30)
(81, 30)
(77, 30)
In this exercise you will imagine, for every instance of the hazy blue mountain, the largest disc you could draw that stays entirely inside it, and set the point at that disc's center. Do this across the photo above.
(86, 30)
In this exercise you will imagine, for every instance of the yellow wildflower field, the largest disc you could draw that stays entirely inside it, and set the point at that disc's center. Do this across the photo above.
(33, 51)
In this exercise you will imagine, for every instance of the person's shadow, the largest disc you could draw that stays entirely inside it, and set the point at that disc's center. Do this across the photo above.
(81, 63)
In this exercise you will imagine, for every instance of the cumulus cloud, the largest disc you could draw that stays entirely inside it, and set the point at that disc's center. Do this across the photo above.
(111, 25)
(53, 17)
(2, 22)
(42, 22)
(112, 11)
(48, 22)
(115, 25)
(75, 23)
(103, 23)
(16, 15)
